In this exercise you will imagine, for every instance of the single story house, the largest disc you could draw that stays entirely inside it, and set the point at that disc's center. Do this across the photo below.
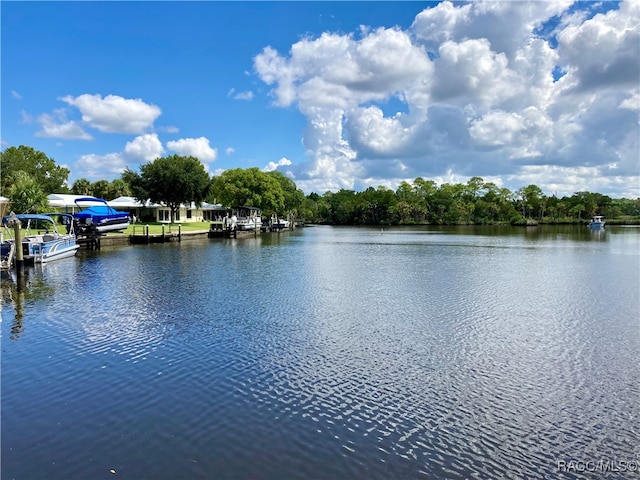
(147, 212)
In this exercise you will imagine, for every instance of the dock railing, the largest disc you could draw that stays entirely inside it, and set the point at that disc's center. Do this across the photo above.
(141, 234)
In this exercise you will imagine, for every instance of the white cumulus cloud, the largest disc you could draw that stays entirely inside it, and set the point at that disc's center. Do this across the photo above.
(144, 148)
(57, 126)
(527, 90)
(196, 147)
(114, 114)
(246, 95)
(98, 167)
(271, 166)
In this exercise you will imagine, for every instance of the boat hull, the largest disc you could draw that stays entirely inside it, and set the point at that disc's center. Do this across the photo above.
(84, 225)
(113, 226)
(597, 222)
(248, 226)
(280, 225)
(99, 218)
(39, 250)
(59, 255)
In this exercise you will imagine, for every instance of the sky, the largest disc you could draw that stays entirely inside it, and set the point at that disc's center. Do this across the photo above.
(335, 95)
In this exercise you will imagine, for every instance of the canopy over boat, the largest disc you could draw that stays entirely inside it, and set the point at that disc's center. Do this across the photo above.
(98, 205)
(99, 216)
(28, 216)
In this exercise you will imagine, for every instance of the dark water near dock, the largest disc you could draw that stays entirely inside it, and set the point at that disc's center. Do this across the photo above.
(339, 353)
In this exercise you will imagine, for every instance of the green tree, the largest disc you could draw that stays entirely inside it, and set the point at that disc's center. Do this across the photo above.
(323, 207)
(171, 181)
(450, 206)
(249, 187)
(118, 188)
(50, 177)
(343, 207)
(532, 199)
(134, 183)
(293, 197)
(100, 189)
(407, 207)
(426, 191)
(82, 186)
(474, 188)
(309, 211)
(377, 205)
(26, 195)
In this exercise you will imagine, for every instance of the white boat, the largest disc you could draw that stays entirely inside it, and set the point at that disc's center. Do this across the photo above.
(46, 244)
(220, 224)
(247, 218)
(597, 222)
(279, 223)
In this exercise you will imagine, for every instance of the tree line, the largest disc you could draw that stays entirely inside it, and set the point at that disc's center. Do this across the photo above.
(28, 176)
(475, 202)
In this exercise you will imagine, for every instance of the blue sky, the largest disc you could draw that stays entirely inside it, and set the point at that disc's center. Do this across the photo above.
(333, 94)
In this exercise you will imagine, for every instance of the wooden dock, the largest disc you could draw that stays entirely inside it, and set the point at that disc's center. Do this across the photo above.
(141, 235)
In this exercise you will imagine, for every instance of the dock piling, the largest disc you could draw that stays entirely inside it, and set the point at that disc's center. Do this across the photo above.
(15, 223)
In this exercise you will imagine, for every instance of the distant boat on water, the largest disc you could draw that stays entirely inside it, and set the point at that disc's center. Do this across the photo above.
(596, 222)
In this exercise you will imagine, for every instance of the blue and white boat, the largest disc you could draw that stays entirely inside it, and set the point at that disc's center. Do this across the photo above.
(98, 216)
(597, 222)
(42, 241)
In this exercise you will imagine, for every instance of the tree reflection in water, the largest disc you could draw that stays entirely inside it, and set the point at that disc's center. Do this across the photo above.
(16, 290)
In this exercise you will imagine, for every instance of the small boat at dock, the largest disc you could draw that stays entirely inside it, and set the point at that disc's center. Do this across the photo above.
(279, 223)
(96, 215)
(220, 223)
(247, 218)
(42, 241)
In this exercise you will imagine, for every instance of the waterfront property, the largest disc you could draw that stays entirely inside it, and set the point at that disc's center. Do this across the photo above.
(140, 212)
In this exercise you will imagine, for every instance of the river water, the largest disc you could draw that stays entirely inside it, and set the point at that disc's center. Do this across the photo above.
(329, 353)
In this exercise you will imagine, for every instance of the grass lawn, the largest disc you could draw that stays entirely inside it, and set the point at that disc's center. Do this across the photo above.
(156, 228)
(140, 229)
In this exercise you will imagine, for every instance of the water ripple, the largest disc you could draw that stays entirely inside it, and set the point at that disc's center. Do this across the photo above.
(330, 356)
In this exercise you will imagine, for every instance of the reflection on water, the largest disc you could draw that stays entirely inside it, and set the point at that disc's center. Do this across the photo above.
(18, 290)
(455, 352)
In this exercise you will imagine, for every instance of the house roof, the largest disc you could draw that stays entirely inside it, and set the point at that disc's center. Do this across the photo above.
(62, 200)
(129, 202)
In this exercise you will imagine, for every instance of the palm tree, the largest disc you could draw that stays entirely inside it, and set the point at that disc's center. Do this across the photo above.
(25, 194)
(82, 186)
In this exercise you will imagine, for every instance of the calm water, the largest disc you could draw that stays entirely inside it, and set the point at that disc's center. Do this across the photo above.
(339, 353)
